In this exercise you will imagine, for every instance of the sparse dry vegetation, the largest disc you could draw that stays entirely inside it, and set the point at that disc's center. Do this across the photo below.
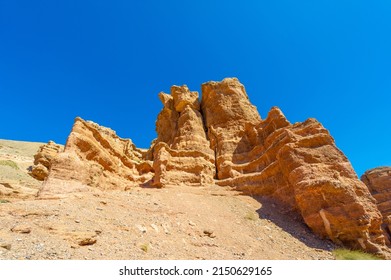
(145, 247)
(346, 254)
(9, 163)
(252, 216)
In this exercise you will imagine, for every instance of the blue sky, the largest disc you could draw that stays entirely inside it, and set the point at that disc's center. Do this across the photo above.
(106, 61)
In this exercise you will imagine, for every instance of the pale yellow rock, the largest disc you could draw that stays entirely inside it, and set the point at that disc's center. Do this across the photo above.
(43, 160)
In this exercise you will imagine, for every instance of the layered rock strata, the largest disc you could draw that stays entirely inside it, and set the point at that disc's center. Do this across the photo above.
(378, 181)
(298, 164)
(181, 153)
(43, 160)
(94, 156)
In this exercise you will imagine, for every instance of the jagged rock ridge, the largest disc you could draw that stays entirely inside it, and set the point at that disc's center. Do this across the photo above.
(222, 140)
(95, 157)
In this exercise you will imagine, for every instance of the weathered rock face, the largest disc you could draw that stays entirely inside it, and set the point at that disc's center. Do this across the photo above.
(181, 152)
(331, 199)
(228, 116)
(43, 160)
(95, 156)
(378, 181)
(298, 164)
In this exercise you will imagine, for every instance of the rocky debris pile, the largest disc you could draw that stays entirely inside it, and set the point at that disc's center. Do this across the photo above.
(223, 140)
(43, 160)
(378, 181)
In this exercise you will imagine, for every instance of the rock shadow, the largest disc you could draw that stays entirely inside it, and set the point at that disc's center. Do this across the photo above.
(291, 222)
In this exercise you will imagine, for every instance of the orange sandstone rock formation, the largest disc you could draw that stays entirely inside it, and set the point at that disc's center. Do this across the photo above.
(94, 156)
(224, 141)
(43, 160)
(378, 181)
(181, 153)
(298, 165)
(228, 116)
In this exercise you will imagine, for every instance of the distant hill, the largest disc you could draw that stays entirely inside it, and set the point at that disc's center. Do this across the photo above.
(16, 157)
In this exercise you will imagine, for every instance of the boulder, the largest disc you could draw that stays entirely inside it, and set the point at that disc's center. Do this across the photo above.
(43, 160)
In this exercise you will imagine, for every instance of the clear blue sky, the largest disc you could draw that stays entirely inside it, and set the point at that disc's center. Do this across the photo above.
(106, 61)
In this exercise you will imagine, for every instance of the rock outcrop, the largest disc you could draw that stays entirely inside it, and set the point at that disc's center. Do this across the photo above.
(181, 153)
(378, 181)
(222, 140)
(298, 164)
(95, 157)
(43, 160)
(228, 116)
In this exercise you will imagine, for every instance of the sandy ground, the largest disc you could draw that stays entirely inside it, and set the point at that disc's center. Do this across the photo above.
(176, 222)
